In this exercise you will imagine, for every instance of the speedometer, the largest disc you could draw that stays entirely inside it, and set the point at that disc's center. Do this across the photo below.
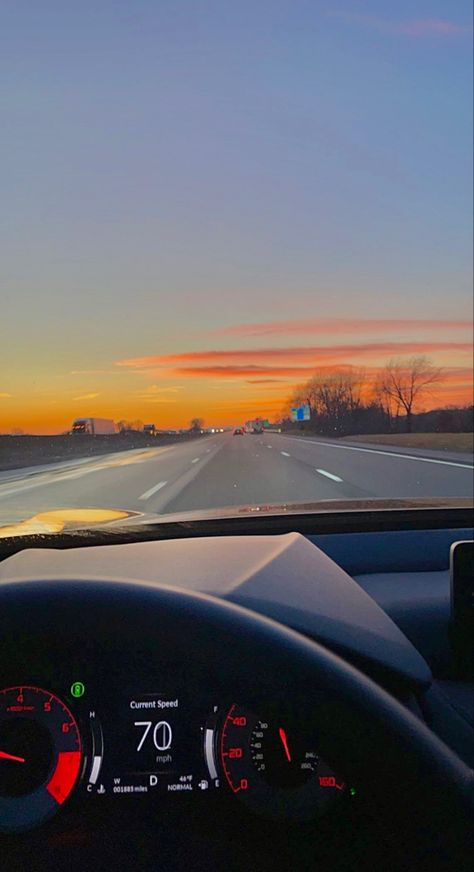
(283, 760)
(274, 765)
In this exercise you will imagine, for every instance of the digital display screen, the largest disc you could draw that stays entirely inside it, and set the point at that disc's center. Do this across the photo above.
(155, 745)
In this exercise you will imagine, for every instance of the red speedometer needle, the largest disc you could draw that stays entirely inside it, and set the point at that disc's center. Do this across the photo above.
(5, 756)
(284, 742)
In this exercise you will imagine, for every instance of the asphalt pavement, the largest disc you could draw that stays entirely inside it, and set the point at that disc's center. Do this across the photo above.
(226, 470)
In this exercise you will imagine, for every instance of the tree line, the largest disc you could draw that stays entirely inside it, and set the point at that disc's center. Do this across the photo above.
(345, 401)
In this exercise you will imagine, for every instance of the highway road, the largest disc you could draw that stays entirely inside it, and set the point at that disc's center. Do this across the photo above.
(226, 470)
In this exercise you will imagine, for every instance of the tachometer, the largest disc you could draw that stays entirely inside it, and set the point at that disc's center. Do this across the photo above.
(40, 756)
(274, 766)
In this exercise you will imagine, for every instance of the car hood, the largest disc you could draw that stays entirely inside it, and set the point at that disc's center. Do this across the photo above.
(56, 521)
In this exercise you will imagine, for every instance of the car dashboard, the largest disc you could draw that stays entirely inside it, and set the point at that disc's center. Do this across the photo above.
(140, 730)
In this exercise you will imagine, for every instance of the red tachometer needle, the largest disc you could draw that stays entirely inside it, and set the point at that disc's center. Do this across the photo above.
(284, 742)
(5, 756)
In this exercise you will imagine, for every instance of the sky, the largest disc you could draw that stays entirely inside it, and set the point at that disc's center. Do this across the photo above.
(203, 202)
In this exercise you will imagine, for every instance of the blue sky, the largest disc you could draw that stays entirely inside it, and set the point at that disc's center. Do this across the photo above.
(172, 168)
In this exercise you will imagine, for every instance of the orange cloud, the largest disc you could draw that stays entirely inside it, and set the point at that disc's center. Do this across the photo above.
(93, 372)
(160, 400)
(157, 389)
(458, 375)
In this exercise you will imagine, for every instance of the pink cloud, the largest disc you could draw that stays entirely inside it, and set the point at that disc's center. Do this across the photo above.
(431, 26)
(233, 370)
(313, 355)
(417, 28)
(342, 325)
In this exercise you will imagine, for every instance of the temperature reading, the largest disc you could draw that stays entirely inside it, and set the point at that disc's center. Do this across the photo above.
(162, 734)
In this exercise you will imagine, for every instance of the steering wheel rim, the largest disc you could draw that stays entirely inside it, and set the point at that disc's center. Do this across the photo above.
(419, 786)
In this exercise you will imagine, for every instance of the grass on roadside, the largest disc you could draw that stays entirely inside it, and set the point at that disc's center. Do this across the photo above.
(462, 442)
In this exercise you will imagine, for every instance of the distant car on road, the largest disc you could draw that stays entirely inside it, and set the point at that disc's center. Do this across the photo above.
(238, 431)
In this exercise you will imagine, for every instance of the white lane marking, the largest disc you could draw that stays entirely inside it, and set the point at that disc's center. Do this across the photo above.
(329, 474)
(71, 475)
(43, 482)
(57, 476)
(285, 453)
(153, 490)
(386, 453)
(269, 446)
(195, 460)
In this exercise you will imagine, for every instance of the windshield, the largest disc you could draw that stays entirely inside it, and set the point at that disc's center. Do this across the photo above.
(236, 254)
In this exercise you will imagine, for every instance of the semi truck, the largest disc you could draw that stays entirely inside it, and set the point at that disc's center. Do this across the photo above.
(93, 426)
(255, 426)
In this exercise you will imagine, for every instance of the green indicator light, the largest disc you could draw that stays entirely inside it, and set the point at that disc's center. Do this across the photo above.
(353, 791)
(77, 689)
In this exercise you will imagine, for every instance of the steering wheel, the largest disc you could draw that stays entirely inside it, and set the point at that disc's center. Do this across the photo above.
(421, 790)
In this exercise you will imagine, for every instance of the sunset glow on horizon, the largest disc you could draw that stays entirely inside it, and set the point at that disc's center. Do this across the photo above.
(228, 385)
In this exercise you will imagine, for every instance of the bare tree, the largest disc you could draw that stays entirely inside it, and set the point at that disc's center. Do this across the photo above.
(124, 425)
(390, 406)
(196, 424)
(403, 383)
(334, 396)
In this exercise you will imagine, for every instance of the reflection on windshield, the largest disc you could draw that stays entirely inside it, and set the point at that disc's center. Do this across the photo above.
(60, 519)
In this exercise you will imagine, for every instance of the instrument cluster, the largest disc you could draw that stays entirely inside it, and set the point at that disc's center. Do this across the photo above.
(155, 745)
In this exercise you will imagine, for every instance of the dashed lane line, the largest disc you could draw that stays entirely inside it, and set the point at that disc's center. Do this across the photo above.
(149, 493)
(329, 475)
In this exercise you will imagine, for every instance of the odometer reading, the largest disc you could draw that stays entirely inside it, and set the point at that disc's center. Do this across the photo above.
(40, 756)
